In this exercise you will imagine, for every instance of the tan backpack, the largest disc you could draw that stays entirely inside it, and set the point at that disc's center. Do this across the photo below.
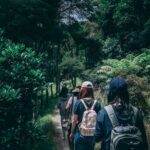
(88, 123)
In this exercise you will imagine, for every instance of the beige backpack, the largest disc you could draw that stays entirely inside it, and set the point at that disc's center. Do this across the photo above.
(88, 123)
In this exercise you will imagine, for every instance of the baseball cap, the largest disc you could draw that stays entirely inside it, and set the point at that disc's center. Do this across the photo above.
(117, 83)
(87, 84)
(76, 90)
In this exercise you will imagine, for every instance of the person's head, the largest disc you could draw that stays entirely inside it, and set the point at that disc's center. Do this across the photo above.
(64, 91)
(86, 90)
(79, 87)
(64, 84)
(76, 92)
(118, 90)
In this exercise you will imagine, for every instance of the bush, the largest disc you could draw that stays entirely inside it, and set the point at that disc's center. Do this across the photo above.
(139, 92)
(21, 71)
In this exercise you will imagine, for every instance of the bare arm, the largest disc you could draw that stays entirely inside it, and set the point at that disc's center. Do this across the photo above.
(68, 106)
(74, 122)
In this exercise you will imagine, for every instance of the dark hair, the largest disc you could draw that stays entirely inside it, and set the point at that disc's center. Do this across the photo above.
(79, 86)
(118, 90)
(76, 94)
(86, 92)
(64, 92)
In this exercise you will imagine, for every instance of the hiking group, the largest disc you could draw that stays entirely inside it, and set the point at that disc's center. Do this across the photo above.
(118, 125)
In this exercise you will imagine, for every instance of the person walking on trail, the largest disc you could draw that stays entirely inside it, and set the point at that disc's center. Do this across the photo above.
(64, 91)
(62, 102)
(84, 118)
(119, 124)
(69, 108)
(72, 100)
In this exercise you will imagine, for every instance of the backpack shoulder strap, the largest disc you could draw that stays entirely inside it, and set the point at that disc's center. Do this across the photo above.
(84, 104)
(135, 111)
(93, 106)
(72, 104)
(112, 116)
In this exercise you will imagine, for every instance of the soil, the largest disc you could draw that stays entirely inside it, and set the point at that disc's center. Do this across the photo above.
(61, 143)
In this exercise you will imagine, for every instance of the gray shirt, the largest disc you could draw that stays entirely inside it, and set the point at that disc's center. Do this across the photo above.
(72, 100)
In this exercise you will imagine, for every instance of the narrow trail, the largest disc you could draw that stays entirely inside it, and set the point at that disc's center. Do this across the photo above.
(61, 144)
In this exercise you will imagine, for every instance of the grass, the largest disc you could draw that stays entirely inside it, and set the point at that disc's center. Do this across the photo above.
(50, 108)
(45, 126)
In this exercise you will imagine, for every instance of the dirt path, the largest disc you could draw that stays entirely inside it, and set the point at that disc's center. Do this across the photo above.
(61, 144)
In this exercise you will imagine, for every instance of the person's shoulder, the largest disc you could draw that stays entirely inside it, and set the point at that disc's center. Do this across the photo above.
(77, 106)
(78, 102)
(101, 116)
(103, 111)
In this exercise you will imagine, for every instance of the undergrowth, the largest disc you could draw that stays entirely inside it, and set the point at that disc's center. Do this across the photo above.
(45, 127)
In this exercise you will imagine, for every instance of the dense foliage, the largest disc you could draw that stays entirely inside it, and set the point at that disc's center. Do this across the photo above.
(21, 71)
(71, 67)
(126, 21)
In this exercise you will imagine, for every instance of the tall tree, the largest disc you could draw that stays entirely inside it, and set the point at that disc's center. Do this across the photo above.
(32, 21)
(127, 21)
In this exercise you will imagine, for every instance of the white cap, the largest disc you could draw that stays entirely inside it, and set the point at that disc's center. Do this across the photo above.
(76, 90)
(87, 84)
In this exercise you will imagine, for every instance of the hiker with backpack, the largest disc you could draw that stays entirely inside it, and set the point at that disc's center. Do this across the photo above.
(84, 118)
(62, 102)
(69, 108)
(119, 124)
(72, 100)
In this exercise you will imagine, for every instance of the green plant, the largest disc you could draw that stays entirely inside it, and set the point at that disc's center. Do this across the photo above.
(21, 71)
(72, 68)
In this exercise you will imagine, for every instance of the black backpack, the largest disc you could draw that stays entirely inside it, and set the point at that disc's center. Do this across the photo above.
(124, 137)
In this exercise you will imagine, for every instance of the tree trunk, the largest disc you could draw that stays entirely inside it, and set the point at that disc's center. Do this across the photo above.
(51, 91)
(57, 70)
(47, 97)
(73, 81)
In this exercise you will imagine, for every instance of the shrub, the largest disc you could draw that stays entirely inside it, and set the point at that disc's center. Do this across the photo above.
(21, 71)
